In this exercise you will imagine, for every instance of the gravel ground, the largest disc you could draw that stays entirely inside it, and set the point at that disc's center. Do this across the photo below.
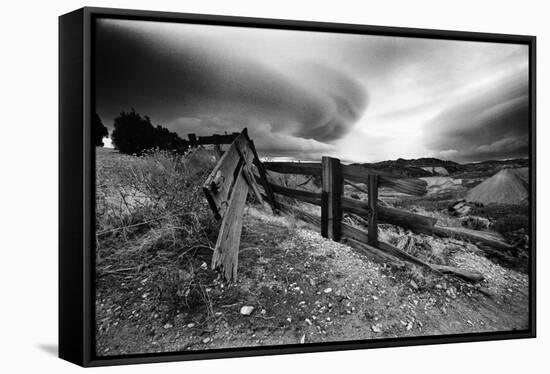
(301, 288)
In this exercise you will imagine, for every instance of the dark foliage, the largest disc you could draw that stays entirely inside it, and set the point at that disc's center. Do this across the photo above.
(100, 131)
(134, 134)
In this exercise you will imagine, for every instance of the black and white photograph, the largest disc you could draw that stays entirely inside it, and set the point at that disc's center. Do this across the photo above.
(260, 187)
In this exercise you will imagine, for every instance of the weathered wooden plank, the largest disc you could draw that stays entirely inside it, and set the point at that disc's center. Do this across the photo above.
(331, 208)
(402, 254)
(304, 168)
(375, 253)
(489, 239)
(226, 251)
(373, 210)
(307, 196)
(355, 173)
(246, 152)
(219, 183)
(361, 236)
(216, 139)
(470, 276)
(423, 224)
(360, 208)
(411, 186)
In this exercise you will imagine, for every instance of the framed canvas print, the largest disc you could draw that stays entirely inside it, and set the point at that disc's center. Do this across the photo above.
(236, 186)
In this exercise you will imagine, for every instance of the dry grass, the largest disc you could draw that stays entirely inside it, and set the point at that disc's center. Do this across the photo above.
(154, 225)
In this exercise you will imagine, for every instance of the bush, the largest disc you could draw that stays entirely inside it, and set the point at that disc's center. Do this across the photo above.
(134, 134)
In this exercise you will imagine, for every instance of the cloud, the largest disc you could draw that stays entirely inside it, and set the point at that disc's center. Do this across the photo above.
(492, 122)
(184, 84)
(305, 93)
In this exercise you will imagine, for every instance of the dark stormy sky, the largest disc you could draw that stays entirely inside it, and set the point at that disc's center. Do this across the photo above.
(306, 94)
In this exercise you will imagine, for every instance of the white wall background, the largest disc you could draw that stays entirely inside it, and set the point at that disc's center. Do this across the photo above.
(28, 196)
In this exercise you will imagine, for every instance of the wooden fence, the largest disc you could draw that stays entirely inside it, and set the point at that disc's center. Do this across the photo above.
(240, 172)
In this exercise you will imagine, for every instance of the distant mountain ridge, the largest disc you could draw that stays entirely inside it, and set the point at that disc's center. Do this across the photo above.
(430, 166)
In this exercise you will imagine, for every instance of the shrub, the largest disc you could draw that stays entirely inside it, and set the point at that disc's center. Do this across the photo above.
(134, 134)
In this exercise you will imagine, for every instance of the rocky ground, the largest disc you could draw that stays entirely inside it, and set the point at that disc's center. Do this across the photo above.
(296, 287)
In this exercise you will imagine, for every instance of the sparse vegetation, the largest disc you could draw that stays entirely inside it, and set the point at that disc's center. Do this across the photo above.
(153, 227)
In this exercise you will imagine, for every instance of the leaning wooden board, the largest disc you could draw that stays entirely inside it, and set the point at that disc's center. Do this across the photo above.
(226, 252)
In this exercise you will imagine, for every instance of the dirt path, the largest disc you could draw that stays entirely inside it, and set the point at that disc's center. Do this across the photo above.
(305, 289)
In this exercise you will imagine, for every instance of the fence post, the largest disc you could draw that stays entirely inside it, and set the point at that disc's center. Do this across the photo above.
(192, 140)
(331, 207)
(217, 147)
(373, 207)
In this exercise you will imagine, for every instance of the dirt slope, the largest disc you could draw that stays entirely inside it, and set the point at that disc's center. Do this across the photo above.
(304, 289)
(508, 186)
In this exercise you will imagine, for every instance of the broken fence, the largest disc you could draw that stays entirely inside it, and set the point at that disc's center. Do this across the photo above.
(239, 172)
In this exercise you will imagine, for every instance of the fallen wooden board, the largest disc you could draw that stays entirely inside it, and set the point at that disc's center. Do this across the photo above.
(374, 252)
(467, 275)
(474, 236)
(226, 252)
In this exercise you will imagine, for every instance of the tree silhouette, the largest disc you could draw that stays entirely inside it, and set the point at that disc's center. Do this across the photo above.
(134, 134)
(100, 131)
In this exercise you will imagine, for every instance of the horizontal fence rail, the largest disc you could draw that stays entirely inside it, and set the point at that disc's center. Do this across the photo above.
(411, 186)
(305, 168)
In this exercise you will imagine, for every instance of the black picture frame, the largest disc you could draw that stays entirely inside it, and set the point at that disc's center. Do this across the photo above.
(76, 184)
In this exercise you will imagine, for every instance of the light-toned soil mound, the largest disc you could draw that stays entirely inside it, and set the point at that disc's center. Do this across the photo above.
(508, 186)
(438, 170)
(442, 184)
